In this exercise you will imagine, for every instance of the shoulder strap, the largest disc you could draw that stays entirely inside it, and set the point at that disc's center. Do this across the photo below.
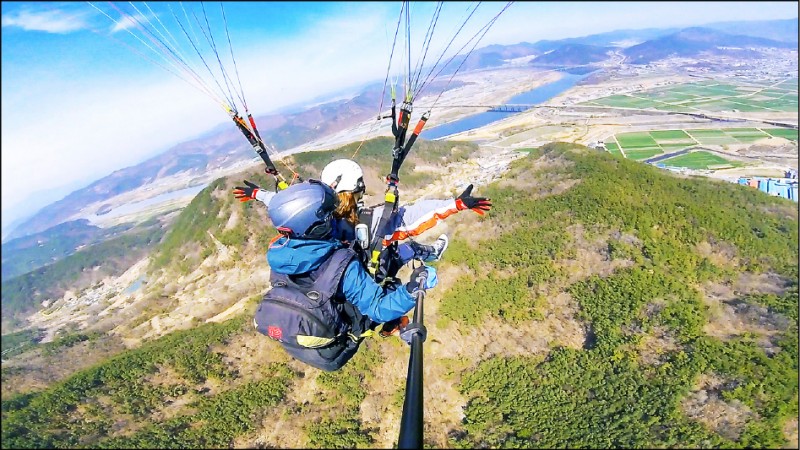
(376, 246)
(331, 271)
(327, 283)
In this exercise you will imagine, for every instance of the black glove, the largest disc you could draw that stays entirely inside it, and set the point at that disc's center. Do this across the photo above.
(477, 204)
(245, 194)
(431, 279)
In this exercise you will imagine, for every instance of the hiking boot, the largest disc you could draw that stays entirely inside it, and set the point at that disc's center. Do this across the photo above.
(394, 327)
(439, 247)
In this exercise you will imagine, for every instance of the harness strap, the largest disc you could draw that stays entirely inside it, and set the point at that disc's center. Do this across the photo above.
(377, 244)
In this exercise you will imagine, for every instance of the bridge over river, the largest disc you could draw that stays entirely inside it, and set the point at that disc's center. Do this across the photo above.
(507, 108)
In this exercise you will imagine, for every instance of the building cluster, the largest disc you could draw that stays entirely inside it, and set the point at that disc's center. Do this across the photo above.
(781, 187)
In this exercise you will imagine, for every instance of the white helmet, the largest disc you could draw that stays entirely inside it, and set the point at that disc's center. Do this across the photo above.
(343, 175)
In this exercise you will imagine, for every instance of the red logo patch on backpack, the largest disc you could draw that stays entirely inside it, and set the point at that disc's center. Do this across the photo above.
(275, 333)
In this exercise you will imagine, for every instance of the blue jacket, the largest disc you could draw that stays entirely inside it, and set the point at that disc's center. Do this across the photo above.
(296, 256)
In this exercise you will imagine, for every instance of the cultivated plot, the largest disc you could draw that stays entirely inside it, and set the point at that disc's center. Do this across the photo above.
(783, 133)
(699, 160)
(641, 153)
(613, 148)
(645, 145)
(634, 140)
(709, 96)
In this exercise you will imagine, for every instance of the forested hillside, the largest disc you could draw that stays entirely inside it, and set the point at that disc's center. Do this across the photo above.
(25, 293)
(27, 253)
(213, 213)
(601, 303)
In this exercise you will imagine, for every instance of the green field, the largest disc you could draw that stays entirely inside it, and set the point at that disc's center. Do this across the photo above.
(670, 135)
(698, 160)
(746, 133)
(783, 132)
(613, 148)
(669, 148)
(789, 84)
(643, 153)
(749, 139)
(644, 145)
(634, 140)
(736, 131)
(709, 96)
(698, 134)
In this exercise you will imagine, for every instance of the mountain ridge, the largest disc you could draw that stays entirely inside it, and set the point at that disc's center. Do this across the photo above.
(693, 41)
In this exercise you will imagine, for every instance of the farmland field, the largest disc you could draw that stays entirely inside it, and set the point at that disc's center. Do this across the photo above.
(670, 140)
(698, 134)
(789, 84)
(698, 160)
(613, 149)
(642, 153)
(670, 135)
(669, 148)
(783, 132)
(644, 145)
(634, 140)
(709, 96)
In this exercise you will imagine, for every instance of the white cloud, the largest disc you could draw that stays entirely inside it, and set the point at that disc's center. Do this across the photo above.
(50, 21)
(127, 22)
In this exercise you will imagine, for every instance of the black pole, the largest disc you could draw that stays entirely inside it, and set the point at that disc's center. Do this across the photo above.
(411, 421)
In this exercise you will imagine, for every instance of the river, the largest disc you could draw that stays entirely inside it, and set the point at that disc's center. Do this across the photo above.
(135, 207)
(532, 97)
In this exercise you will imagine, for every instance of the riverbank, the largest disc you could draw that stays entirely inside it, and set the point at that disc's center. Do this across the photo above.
(535, 96)
(482, 87)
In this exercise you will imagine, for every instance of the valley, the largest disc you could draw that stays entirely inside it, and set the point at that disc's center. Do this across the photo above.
(565, 118)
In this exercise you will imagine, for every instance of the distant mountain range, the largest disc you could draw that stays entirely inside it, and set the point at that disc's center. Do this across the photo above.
(30, 252)
(207, 153)
(779, 30)
(213, 151)
(696, 41)
(774, 33)
(287, 130)
(574, 55)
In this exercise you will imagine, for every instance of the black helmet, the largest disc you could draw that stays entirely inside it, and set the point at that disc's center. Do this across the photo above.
(304, 210)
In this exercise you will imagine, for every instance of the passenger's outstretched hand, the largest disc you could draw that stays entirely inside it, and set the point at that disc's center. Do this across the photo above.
(245, 194)
(477, 204)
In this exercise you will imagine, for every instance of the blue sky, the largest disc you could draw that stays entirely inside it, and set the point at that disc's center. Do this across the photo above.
(79, 102)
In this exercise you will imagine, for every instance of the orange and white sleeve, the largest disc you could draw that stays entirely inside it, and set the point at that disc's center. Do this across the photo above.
(415, 219)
